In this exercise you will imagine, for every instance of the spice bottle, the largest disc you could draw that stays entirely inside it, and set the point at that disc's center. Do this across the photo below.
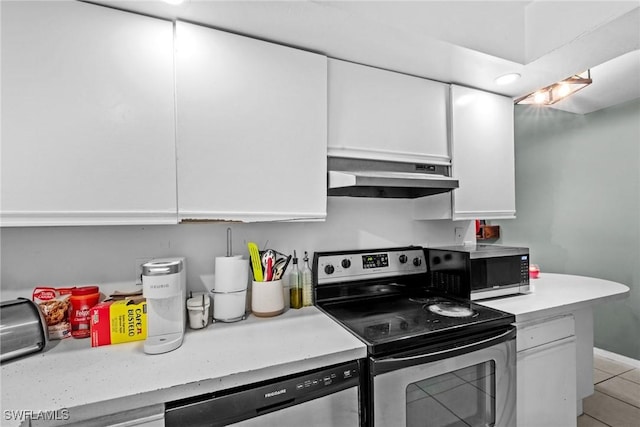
(81, 301)
(307, 286)
(295, 284)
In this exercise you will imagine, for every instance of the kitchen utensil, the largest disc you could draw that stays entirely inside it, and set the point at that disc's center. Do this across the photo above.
(256, 264)
(269, 270)
(23, 329)
(280, 267)
(266, 255)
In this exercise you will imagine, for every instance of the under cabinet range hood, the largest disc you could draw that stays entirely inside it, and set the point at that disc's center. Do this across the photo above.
(386, 179)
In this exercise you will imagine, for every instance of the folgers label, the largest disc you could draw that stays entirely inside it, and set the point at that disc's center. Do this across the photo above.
(115, 322)
(82, 300)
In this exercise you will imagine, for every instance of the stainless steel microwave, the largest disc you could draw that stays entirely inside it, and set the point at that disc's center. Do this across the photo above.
(479, 271)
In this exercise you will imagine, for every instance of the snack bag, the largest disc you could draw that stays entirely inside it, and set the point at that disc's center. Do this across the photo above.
(54, 305)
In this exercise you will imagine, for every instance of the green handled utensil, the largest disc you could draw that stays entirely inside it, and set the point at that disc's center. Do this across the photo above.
(256, 264)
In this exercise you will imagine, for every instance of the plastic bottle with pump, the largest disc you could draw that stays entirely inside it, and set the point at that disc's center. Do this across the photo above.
(307, 283)
(295, 282)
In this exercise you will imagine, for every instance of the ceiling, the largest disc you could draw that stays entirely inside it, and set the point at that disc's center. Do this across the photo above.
(463, 42)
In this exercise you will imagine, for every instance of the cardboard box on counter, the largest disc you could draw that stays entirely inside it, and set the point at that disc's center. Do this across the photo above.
(115, 322)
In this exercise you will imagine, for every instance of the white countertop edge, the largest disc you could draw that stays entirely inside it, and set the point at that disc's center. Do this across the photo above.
(555, 294)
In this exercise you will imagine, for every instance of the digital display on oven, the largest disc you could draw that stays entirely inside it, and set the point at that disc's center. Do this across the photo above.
(375, 261)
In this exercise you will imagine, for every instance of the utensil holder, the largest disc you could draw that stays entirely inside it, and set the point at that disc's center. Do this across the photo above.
(198, 309)
(267, 298)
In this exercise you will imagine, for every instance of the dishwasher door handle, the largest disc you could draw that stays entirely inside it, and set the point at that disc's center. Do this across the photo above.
(275, 406)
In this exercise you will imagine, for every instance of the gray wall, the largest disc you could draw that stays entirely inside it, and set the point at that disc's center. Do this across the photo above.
(61, 256)
(578, 205)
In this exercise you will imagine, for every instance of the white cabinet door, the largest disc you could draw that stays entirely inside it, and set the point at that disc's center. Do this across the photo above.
(251, 137)
(547, 385)
(482, 146)
(378, 114)
(88, 128)
(546, 369)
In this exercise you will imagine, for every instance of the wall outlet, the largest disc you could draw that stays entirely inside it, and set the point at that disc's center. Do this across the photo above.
(138, 268)
(459, 235)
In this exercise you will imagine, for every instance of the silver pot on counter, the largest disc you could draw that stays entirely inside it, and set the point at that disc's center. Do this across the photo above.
(23, 329)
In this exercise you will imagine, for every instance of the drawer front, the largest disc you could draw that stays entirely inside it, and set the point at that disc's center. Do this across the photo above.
(535, 333)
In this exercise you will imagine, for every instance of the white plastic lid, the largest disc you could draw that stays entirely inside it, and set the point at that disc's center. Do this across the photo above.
(196, 302)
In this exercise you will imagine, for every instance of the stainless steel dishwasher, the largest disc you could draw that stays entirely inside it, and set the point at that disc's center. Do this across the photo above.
(324, 397)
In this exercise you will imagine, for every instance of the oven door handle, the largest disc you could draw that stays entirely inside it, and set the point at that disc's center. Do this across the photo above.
(380, 366)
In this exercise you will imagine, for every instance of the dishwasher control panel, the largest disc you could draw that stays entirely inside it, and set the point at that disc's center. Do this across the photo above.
(241, 403)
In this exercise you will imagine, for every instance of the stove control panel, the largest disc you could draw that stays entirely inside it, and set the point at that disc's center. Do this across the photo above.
(332, 267)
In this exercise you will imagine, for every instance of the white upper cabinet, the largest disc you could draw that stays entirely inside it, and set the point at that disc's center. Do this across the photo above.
(482, 144)
(88, 126)
(383, 115)
(482, 151)
(252, 127)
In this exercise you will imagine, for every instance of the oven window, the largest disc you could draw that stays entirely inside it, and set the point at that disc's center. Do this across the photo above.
(461, 398)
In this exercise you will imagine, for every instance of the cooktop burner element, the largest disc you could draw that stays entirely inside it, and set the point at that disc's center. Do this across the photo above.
(451, 309)
(383, 297)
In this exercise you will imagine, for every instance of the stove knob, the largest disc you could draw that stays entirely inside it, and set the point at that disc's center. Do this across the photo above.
(329, 269)
(346, 263)
(403, 259)
(417, 261)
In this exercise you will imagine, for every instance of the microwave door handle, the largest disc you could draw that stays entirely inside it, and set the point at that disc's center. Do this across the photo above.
(395, 363)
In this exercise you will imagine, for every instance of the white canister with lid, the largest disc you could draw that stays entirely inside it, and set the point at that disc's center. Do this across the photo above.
(198, 309)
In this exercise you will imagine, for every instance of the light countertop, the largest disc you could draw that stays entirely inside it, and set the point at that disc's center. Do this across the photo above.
(558, 293)
(93, 381)
(89, 382)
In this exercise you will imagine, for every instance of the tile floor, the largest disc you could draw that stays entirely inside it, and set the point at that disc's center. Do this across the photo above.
(616, 400)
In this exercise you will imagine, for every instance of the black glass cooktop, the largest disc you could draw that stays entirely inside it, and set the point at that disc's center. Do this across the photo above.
(398, 322)
(383, 297)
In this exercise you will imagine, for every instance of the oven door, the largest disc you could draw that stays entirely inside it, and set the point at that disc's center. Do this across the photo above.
(467, 384)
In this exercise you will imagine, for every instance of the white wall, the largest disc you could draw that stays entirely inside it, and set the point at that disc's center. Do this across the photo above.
(61, 256)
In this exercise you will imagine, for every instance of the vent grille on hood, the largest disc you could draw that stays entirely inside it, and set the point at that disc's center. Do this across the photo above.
(384, 179)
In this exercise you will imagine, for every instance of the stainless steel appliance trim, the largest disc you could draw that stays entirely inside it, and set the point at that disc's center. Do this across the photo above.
(395, 363)
(387, 179)
(355, 270)
(20, 352)
(501, 252)
(17, 332)
(388, 411)
(333, 389)
(497, 292)
(161, 268)
(480, 251)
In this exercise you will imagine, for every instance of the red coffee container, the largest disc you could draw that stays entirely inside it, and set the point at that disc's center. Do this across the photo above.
(82, 299)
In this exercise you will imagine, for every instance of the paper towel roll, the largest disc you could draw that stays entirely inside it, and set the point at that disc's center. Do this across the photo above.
(229, 307)
(231, 274)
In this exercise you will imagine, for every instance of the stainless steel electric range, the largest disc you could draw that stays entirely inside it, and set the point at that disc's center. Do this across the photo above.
(433, 359)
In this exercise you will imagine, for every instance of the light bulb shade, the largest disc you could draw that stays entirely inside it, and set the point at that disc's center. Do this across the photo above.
(557, 91)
